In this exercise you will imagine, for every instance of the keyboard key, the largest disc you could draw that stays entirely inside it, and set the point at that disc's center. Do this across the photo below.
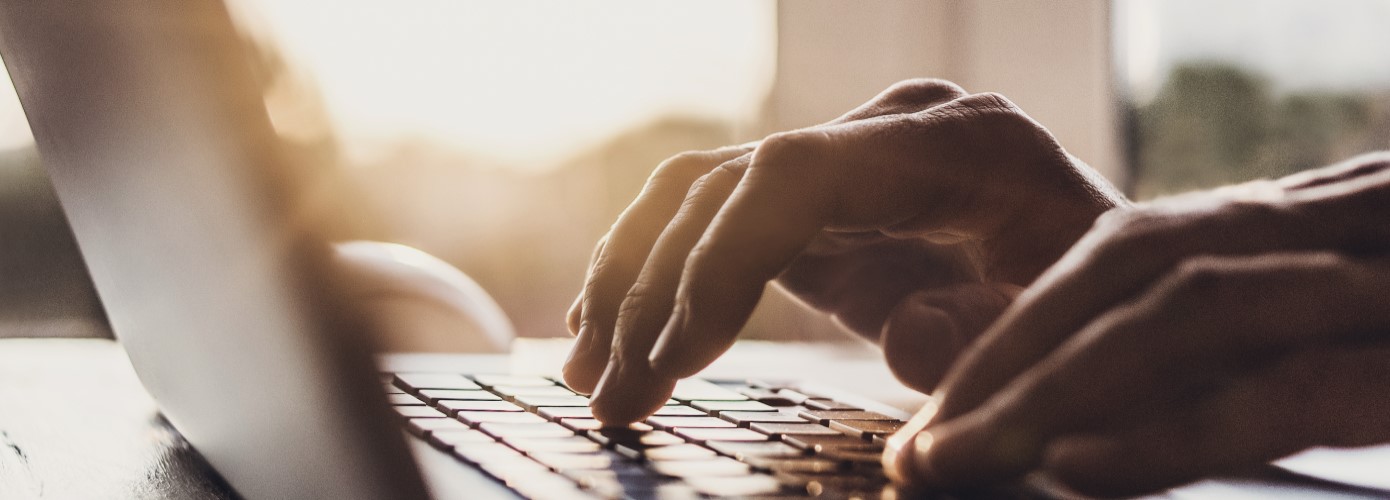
(858, 456)
(572, 444)
(633, 477)
(800, 465)
(573, 461)
(826, 404)
(680, 422)
(485, 452)
(796, 397)
(673, 452)
(818, 443)
(866, 428)
(506, 417)
(693, 468)
(743, 418)
(691, 389)
(678, 411)
(391, 388)
(424, 426)
(700, 434)
(673, 490)
(559, 412)
(745, 486)
(455, 406)
(716, 407)
(762, 383)
(418, 412)
(513, 380)
(514, 471)
(404, 400)
(532, 390)
(780, 429)
(589, 424)
(451, 438)
(825, 416)
(420, 381)
(768, 396)
(546, 486)
(434, 396)
(619, 481)
(504, 431)
(613, 437)
(816, 483)
(743, 450)
(533, 403)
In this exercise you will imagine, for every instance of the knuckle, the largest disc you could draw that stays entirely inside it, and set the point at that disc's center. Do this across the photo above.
(1203, 284)
(784, 149)
(682, 167)
(992, 101)
(989, 118)
(1202, 275)
(992, 109)
(1124, 233)
(920, 91)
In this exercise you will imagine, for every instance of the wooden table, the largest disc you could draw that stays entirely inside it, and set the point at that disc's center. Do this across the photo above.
(75, 423)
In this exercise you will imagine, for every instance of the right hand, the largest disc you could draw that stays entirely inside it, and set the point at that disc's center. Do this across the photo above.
(914, 217)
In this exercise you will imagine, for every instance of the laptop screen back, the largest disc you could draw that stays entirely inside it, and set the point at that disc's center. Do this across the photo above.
(151, 126)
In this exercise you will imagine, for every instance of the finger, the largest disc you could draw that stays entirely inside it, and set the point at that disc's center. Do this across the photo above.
(574, 315)
(1128, 250)
(630, 389)
(1366, 166)
(617, 265)
(928, 329)
(908, 96)
(798, 184)
(616, 274)
(1318, 397)
(905, 97)
(1213, 315)
(627, 391)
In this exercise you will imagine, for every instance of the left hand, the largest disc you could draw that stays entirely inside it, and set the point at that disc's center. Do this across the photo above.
(1190, 337)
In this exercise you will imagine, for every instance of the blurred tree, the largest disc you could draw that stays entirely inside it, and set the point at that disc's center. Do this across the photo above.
(1204, 128)
(1214, 123)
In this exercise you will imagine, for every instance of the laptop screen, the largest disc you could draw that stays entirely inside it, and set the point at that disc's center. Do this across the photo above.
(150, 124)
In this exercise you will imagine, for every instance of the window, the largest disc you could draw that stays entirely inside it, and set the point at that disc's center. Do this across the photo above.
(44, 289)
(1224, 91)
(506, 137)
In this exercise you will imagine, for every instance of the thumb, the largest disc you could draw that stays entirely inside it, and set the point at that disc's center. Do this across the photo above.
(928, 329)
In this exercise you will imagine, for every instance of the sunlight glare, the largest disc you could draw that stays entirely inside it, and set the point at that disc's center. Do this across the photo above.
(525, 83)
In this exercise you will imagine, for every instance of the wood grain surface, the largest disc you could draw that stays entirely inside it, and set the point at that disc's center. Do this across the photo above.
(75, 423)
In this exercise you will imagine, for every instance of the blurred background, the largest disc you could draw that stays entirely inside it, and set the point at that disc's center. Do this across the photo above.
(505, 137)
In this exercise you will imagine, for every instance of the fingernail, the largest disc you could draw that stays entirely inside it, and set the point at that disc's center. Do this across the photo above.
(661, 359)
(577, 371)
(581, 343)
(901, 446)
(909, 465)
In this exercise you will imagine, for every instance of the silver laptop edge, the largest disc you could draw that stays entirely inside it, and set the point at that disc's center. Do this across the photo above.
(151, 126)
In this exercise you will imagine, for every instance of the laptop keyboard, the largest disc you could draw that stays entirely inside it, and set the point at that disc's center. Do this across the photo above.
(710, 440)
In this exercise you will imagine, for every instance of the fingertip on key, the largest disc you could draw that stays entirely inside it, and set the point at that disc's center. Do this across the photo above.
(898, 459)
(578, 370)
(623, 397)
(910, 464)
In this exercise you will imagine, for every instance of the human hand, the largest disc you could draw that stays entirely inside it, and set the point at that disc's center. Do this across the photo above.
(923, 188)
(1190, 337)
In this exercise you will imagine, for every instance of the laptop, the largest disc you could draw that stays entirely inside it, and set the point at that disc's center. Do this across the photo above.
(152, 128)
